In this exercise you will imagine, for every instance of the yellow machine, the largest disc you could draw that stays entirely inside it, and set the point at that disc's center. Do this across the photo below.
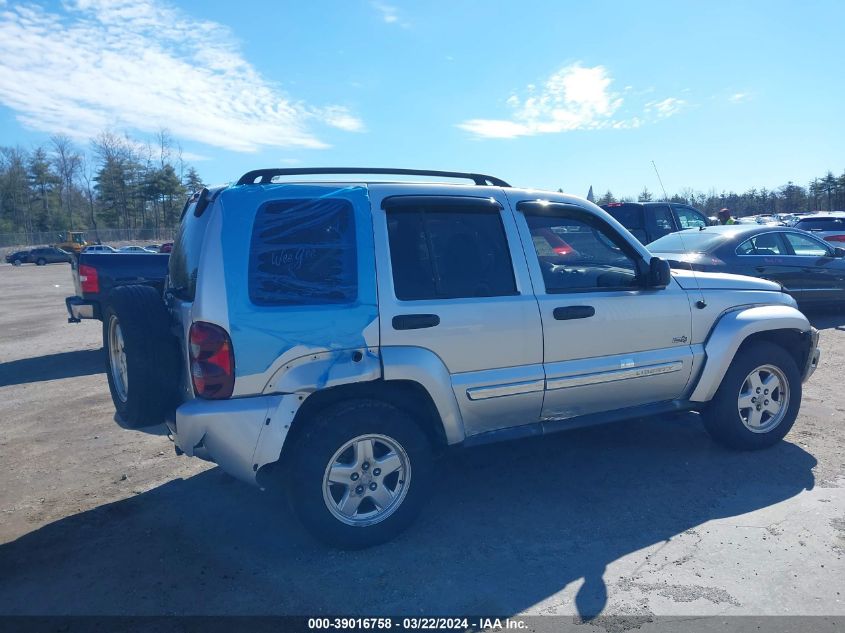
(72, 241)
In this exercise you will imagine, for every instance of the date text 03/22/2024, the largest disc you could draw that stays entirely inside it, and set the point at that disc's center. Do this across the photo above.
(416, 623)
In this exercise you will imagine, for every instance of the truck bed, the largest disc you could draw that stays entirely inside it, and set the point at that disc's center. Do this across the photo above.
(113, 270)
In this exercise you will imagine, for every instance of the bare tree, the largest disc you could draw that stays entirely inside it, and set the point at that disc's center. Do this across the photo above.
(67, 162)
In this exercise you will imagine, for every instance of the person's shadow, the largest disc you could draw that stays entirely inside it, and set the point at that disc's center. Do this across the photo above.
(508, 526)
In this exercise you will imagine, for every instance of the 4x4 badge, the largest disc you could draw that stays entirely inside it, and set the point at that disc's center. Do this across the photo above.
(679, 339)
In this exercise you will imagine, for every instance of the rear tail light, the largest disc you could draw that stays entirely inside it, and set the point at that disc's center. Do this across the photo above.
(212, 361)
(835, 238)
(88, 279)
(563, 250)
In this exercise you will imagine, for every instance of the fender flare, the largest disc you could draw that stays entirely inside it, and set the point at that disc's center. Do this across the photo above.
(424, 367)
(730, 331)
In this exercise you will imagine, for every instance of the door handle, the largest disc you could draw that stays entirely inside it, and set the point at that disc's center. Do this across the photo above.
(415, 321)
(760, 269)
(573, 312)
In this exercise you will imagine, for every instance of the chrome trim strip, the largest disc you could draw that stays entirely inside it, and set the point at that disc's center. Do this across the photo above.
(509, 389)
(581, 380)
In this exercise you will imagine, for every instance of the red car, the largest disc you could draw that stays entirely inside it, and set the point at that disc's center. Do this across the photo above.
(547, 240)
(166, 247)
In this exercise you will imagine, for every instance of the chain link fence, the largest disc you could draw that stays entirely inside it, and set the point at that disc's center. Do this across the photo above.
(106, 236)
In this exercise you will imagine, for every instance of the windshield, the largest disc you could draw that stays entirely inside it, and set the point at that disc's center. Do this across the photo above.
(687, 242)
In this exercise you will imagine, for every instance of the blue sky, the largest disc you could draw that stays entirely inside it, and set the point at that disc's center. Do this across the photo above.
(543, 94)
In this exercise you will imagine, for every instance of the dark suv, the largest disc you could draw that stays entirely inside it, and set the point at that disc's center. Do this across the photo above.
(648, 221)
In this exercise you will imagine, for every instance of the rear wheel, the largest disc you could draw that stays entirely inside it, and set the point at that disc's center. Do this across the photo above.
(41, 261)
(17, 262)
(758, 400)
(360, 473)
(141, 356)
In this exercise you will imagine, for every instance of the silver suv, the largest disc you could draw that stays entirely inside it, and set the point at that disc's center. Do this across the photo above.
(332, 337)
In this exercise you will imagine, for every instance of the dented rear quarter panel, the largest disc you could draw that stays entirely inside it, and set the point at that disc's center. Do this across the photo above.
(337, 342)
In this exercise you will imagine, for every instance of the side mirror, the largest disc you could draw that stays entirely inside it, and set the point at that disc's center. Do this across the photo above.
(659, 273)
(838, 251)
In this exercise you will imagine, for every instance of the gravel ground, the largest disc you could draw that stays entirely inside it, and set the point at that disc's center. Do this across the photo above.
(635, 519)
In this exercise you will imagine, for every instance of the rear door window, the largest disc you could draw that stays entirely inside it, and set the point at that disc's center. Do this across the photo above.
(661, 221)
(764, 244)
(444, 253)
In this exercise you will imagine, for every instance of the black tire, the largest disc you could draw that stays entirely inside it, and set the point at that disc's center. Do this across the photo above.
(327, 432)
(722, 417)
(150, 352)
(17, 262)
(41, 261)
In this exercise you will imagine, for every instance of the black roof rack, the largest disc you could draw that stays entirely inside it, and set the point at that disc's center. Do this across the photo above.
(264, 176)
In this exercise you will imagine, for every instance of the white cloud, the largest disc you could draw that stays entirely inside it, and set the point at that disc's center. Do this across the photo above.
(193, 157)
(389, 14)
(666, 108)
(739, 97)
(573, 98)
(143, 65)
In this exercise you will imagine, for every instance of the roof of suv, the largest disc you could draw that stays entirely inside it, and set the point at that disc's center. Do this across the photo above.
(267, 176)
(637, 204)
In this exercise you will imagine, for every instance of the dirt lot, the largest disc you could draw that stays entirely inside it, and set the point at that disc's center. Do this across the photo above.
(644, 517)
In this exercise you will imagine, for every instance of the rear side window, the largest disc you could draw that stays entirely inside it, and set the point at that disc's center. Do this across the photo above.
(185, 256)
(303, 252)
(443, 253)
(628, 215)
(662, 221)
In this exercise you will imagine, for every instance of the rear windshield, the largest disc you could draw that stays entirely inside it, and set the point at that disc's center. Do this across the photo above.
(821, 224)
(628, 215)
(687, 242)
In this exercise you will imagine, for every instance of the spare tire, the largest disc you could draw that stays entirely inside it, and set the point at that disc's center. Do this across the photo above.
(142, 360)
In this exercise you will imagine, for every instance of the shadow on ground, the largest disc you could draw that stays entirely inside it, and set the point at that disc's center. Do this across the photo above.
(52, 367)
(508, 526)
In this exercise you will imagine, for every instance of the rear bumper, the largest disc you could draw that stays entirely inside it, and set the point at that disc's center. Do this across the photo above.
(240, 435)
(813, 356)
(78, 309)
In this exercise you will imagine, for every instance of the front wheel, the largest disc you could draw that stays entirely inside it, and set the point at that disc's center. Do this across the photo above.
(758, 400)
(17, 262)
(360, 473)
(41, 262)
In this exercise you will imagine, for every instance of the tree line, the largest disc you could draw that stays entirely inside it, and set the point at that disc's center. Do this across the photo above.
(119, 182)
(115, 182)
(821, 194)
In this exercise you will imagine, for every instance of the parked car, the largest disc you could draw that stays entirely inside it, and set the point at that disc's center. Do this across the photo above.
(648, 221)
(40, 256)
(808, 268)
(17, 258)
(828, 226)
(134, 249)
(99, 248)
(166, 247)
(329, 338)
(97, 275)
